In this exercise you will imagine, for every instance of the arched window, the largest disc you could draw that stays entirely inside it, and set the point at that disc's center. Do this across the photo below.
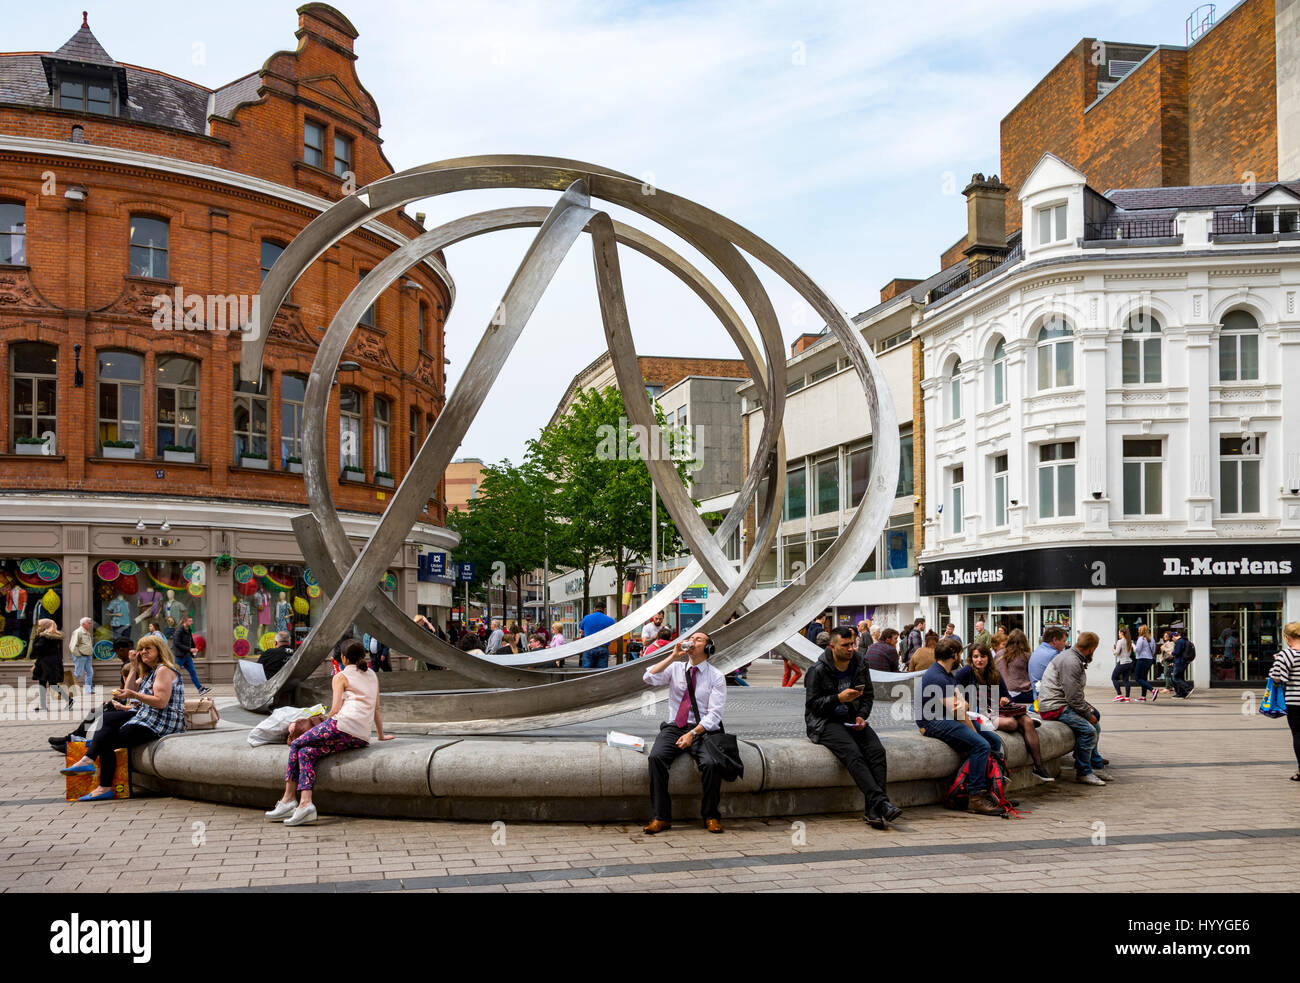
(1141, 349)
(954, 391)
(149, 247)
(34, 368)
(382, 436)
(251, 415)
(1238, 347)
(13, 234)
(120, 377)
(178, 403)
(1000, 373)
(1055, 353)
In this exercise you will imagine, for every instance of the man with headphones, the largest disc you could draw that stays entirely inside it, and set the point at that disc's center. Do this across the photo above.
(683, 731)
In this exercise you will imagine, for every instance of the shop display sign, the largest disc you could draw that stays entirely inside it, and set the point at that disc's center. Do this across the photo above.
(1172, 565)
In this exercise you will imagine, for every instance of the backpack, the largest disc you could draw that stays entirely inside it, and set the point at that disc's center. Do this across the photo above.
(958, 796)
(908, 647)
(1189, 653)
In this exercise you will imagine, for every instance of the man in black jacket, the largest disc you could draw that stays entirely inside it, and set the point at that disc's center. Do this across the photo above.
(183, 651)
(838, 702)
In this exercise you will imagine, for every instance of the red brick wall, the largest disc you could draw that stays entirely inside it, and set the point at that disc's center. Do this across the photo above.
(1232, 105)
(955, 253)
(75, 288)
(1047, 119)
(668, 371)
(1121, 141)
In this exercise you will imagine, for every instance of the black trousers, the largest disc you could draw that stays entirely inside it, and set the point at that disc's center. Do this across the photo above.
(861, 752)
(114, 732)
(662, 755)
(1293, 721)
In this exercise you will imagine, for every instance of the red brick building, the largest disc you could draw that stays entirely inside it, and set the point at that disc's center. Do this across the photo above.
(161, 488)
(1224, 109)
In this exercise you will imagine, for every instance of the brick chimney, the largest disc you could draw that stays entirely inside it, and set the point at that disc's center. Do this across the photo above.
(804, 342)
(986, 212)
(895, 287)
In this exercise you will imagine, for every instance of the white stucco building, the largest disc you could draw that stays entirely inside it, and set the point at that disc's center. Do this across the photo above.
(1113, 422)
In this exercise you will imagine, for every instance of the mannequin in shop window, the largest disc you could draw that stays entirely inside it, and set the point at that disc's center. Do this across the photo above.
(283, 614)
(262, 602)
(119, 616)
(175, 609)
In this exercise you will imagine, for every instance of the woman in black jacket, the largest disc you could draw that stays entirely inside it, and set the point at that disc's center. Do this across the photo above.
(47, 652)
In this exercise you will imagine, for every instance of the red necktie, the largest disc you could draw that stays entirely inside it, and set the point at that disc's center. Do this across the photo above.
(684, 707)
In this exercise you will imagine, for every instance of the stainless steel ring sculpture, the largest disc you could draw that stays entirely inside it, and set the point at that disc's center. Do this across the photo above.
(519, 697)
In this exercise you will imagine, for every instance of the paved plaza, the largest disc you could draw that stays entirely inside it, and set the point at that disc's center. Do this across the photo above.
(1200, 803)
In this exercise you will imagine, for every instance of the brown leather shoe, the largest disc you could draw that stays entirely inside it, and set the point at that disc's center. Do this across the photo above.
(985, 805)
(656, 826)
(713, 825)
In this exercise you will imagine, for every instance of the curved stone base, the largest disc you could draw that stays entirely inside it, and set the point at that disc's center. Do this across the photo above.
(552, 779)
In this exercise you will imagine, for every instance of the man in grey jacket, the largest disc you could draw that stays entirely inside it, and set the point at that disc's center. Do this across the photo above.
(1061, 697)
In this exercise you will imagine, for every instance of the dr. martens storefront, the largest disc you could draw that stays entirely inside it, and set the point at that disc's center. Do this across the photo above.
(1232, 600)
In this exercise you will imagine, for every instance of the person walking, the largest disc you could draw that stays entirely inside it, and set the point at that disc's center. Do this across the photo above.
(1286, 672)
(1165, 651)
(355, 710)
(837, 702)
(1123, 671)
(1184, 655)
(183, 652)
(1144, 650)
(153, 710)
(82, 647)
(47, 656)
(684, 730)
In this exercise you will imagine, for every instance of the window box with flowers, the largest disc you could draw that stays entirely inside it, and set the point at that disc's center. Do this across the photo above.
(178, 454)
(31, 445)
(353, 474)
(123, 449)
(293, 465)
(384, 479)
(257, 461)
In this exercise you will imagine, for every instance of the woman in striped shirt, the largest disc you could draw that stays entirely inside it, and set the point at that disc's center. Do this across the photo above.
(1286, 671)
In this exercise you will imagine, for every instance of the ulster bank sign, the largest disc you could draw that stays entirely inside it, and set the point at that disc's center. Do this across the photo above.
(1084, 567)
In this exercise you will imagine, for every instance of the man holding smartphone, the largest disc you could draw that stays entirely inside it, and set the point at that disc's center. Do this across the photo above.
(837, 704)
(686, 669)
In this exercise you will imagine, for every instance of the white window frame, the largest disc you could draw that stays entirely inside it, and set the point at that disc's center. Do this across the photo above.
(1000, 373)
(1047, 348)
(1001, 496)
(253, 403)
(1141, 330)
(34, 381)
(956, 495)
(1055, 216)
(383, 412)
(350, 424)
(178, 392)
(1057, 466)
(1240, 463)
(1236, 335)
(121, 423)
(1142, 466)
(954, 392)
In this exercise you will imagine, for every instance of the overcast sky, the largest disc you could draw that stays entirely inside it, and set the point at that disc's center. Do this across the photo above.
(842, 133)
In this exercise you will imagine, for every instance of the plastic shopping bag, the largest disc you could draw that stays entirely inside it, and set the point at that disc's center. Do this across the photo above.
(275, 728)
(1274, 702)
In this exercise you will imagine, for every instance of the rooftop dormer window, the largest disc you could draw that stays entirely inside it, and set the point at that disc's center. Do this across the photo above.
(1050, 222)
(86, 95)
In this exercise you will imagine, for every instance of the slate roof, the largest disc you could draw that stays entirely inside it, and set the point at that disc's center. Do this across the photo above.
(1181, 199)
(150, 97)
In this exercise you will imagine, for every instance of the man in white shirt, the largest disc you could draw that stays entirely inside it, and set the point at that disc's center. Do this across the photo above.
(495, 639)
(650, 633)
(683, 731)
(82, 645)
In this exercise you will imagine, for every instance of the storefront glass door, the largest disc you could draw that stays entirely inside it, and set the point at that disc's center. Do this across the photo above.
(1245, 633)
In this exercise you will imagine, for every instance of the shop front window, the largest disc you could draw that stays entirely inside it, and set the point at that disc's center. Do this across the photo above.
(31, 588)
(131, 595)
(1052, 610)
(271, 598)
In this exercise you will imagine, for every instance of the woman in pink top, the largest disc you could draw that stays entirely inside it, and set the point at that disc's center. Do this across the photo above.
(355, 709)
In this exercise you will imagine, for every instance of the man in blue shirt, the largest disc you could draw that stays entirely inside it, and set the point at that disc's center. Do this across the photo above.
(941, 714)
(1053, 644)
(598, 620)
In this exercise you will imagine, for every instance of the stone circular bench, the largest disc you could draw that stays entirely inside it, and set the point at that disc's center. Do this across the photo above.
(552, 779)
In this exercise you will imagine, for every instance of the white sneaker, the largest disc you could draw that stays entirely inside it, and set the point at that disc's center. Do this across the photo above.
(1105, 776)
(282, 809)
(303, 814)
(1088, 779)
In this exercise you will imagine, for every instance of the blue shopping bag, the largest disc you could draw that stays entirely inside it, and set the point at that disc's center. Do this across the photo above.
(1274, 703)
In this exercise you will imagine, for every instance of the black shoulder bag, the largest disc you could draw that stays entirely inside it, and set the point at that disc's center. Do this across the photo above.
(720, 749)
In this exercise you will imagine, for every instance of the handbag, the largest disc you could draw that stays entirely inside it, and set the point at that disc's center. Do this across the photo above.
(201, 714)
(720, 749)
(1012, 710)
(1274, 702)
